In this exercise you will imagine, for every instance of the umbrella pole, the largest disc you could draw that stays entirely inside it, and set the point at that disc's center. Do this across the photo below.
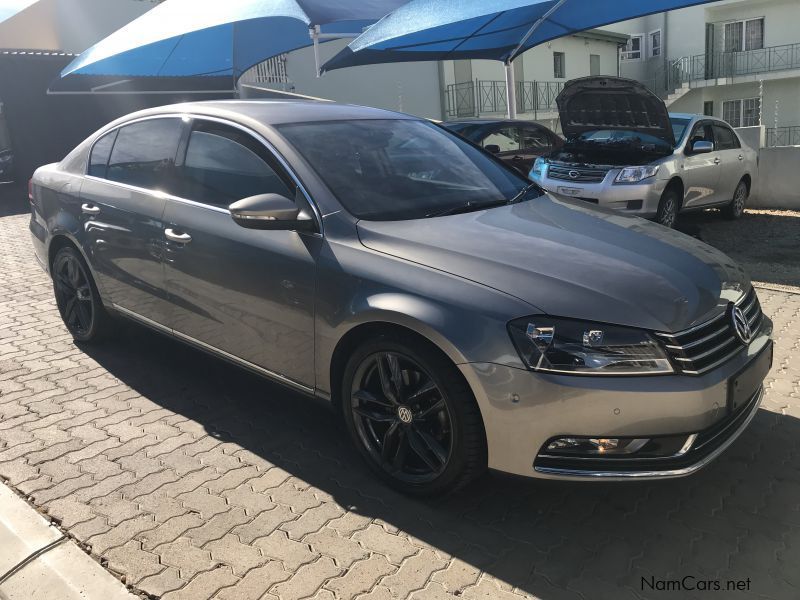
(511, 91)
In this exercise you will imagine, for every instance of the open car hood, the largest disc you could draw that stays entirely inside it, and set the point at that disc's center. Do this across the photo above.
(612, 103)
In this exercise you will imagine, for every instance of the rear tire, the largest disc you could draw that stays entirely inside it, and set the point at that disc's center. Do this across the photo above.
(77, 297)
(667, 214)
(412, 416)
(735, 209)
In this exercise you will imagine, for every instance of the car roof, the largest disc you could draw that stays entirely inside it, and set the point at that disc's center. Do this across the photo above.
(274, 112)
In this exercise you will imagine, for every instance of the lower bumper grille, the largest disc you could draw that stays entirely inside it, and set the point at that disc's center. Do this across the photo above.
(706, 446)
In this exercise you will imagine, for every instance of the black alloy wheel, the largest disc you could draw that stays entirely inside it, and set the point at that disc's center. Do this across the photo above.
(77, 298)
(419, 431)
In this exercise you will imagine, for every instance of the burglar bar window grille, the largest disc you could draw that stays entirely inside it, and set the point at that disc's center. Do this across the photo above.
(742, 113)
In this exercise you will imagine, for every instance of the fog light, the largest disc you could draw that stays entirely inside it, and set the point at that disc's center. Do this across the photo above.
(595, 446)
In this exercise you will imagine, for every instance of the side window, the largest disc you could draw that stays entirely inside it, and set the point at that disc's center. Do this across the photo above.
(700, 133)
(224, 165)
(101, 151)
(726, 139)
(507, 139)
(144, 154)
(535, 139)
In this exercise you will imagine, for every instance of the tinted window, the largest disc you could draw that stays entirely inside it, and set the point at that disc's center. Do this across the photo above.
(98, 162)
(700, 133)
(224, 165)
(726, 139)
(144, 154)
(400, 169)
(506, 138)
(535, 139)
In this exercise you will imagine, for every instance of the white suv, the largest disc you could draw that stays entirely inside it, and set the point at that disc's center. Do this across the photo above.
(625, 151)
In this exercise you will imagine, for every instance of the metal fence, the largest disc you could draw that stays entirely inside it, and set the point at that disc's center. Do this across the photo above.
(487, 97)
(270, 73)
(783, 136)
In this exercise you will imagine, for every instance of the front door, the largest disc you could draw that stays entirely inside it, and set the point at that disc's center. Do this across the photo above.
(732, 160)
(122, 203)
(246, 292)
(701, 172)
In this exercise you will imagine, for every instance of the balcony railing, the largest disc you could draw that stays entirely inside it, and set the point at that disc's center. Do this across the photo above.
(783, 136)
(486, 97)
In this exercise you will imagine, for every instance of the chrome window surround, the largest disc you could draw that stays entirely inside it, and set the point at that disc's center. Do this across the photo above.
(195, 117)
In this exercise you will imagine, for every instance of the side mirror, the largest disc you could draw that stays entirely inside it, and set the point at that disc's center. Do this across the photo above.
(271, 212)
(702, 147)
(492, 148)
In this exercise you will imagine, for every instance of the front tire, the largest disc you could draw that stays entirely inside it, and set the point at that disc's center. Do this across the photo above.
(77, 297)
(667, 214)
(412, 416)
(735, 209)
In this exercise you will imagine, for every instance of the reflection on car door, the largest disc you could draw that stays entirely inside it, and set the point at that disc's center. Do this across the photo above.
(122, 202)
(701, 171)
(507, 139)
(246, 292)
(732, 156)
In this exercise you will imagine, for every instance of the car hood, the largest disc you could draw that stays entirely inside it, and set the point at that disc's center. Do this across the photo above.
(612, 103)
(569, 260)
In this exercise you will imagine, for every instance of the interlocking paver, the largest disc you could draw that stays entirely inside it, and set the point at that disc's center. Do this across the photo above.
(192, 479)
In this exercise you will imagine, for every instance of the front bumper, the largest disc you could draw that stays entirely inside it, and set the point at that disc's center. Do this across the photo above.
(522, 411)
(640, 199)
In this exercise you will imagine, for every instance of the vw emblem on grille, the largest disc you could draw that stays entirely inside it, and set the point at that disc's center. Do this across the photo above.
(574, 174)
(405, 414)
(741, 326)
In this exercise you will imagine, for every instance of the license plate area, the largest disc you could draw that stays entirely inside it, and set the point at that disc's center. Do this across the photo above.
(744, 384)
(569, 191)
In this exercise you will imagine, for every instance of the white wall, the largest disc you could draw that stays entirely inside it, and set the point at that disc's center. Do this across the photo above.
(778, 184)
(406, 87)
(69, 25)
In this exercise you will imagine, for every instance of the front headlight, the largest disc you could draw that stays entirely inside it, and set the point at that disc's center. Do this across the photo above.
(567, 346)
(636, 174)
(538, 168)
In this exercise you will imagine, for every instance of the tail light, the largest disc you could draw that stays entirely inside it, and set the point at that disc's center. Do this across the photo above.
(30, 190)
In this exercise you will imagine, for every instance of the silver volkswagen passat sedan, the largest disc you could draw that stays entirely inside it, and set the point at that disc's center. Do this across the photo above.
(456, 315)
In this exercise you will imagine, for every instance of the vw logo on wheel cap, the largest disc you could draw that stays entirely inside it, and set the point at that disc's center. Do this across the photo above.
(741, 326)
(405, 414)
(573, 174)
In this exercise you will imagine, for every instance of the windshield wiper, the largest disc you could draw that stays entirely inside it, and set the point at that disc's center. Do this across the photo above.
(476, 206)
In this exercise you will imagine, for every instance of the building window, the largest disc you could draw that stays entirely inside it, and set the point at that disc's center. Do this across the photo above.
(633, 49)
(708, 108)
(742, 113)
(742, 36)
(594, 64)
(655, 43)
(559, 67)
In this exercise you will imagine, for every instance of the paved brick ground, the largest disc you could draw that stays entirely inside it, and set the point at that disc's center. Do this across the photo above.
(194, 480)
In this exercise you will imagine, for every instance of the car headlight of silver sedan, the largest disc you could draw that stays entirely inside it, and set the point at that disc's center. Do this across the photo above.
(567, 346)
(636, 174)
(538, 167)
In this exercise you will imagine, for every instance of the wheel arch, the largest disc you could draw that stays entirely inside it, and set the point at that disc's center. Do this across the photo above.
(676, 184)
(60, 239)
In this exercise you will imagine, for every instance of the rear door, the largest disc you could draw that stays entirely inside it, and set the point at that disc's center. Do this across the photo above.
(732, 156)
(122, 204)
(246, 292)
(701, 171)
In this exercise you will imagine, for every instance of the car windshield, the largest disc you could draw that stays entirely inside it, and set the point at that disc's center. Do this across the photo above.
(679, 126)
(398, 169)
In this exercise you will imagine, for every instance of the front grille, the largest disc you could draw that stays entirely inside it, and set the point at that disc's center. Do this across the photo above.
(699, 349)
(581, 174)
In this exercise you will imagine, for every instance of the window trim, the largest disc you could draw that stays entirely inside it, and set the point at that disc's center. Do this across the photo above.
(625, 54)
(651, 48)
(187, 119)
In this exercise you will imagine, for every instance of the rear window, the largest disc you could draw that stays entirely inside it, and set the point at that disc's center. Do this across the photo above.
(98, 161)
(144, 153)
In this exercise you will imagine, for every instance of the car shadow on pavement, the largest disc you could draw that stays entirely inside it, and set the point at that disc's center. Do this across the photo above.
(737, 519)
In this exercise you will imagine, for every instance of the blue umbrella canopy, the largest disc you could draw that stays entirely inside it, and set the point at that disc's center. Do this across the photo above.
(498, 30)
(189, 38)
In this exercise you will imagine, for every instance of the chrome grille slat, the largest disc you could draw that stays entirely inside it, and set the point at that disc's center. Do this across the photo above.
(706, 346)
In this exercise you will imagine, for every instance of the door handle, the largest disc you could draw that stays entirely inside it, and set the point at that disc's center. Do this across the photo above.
(717, 161)
(180, 238)
(90, 209)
